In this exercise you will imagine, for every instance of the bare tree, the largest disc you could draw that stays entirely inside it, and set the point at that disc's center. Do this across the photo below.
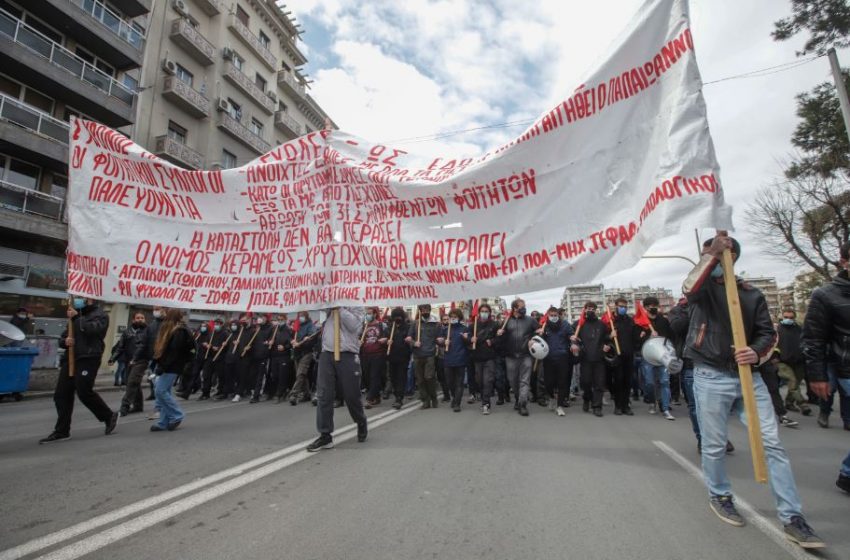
(803, 221)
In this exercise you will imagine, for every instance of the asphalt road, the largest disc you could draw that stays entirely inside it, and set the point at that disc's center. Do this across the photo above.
(233, 482)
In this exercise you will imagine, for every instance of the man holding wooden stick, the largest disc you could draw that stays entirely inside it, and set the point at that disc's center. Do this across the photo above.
(722, 383)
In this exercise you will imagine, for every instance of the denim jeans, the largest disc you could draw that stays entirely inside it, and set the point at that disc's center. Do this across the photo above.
(688, 387)
(121, 373)
(169, 410)
(845, 466)
(717, 394)
(649, 373)
(842, 386)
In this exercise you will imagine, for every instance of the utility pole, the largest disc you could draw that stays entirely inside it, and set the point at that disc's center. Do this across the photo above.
(840, 86)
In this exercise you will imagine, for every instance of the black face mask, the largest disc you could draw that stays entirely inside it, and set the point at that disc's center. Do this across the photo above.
(653, 311)
(590, 315)
(521, 311)
(397, 320)
(139, 325)
(424, 315)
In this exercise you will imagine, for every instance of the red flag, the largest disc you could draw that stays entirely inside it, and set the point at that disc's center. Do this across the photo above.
(475, 309)
(442, 311)
(641, 316)
(581, 319)
(543, 319)
(211, 325)
(296, 324)
(387, 313)
(452, 308)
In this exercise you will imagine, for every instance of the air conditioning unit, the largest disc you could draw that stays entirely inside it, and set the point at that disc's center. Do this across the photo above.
(180, 7)
(227, 53)
(272, 95)
(222, 106)
(215, 166)
(169, 66)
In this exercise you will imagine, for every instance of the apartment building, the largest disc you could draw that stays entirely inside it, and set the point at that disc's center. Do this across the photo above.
(576, 296)
(770, 289)
(57, 58)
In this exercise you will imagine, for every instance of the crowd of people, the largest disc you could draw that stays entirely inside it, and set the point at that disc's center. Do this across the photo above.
(363, 358)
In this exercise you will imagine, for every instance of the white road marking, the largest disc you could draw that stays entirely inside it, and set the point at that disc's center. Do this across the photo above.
(57, 537)
(762, 523)
(132, 526)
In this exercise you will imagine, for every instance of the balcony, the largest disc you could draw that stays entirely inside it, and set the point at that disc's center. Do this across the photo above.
(181, 154)
(181, 94)
(210, 7)
(291, 48)
(241, 133)
(285, 123)
(247, 86)
(32, 135)
(133, 8)
(36, 60)
(290, 84)
(98, 27)
(252, 42)
(195, 44)
(27, 201)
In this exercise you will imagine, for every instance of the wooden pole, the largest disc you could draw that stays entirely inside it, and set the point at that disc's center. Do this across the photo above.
(613, 328)
(336, 334)
(223, 346)
(250, 342)
(363, 334)
(745, 372)
(390, 341)
(236, 342)
(449, 335)
(475, 332)
(72, 366)
(209, 345)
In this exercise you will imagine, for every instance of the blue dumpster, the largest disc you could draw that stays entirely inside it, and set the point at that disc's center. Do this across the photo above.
(15, 364)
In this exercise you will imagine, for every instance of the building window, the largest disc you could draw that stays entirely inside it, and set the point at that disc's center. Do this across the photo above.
(94, 61)
(265, 41)
(281, 106)
(26, 94)
(176, 132)
(184, 75)
(59, 185)
(242, 15)
(256, 127)
(260, 82)
(130, 82)
(9, 87)
(228, 160)
(20, 173)
(235, 109)
(238, 61)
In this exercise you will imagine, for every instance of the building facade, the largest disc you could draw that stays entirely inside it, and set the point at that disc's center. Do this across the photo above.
(770, 289)
(57, 58)
(576, 296)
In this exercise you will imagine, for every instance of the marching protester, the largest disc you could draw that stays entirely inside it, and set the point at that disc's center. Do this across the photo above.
(422, 336)
(453, 339)
(791, 363)
(213, 368)
(306, 334)
(515, 334)
(122, 353)
(85, 338)
(483, 352)
(173, 351)
(280, 358)
(190, 381)
(344, 373)
(399, 354)
(624, 370)
(257, 352)
(592, 338)
(373, 355)
(142, 362)
(826, 344)
(440, 365)
(717, 388)
(235, 362)
(558, 363)
(652, 375)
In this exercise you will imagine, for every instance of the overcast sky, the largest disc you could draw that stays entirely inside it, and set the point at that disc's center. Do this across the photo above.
(390, 71)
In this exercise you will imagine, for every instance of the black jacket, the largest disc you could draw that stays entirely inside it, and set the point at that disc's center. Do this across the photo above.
(179, 352)
(233, 351)
(790, 343)
(90, 326)
(399, 349)
(215, 342)
(826, 331)
(259, 350)
(283, 337)
(145, 342)
(518, 331)
(710, 333)
(124, 349)
(628, 334)
(200, 338)
(680, 321)
(428, 337)
(486, 331)
(557, 336)
(593, 336)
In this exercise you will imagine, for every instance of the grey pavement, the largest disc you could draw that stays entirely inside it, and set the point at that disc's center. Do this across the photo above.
(427, 484)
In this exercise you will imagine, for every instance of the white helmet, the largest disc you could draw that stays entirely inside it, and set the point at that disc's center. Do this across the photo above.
(659, 351)
(539, 349)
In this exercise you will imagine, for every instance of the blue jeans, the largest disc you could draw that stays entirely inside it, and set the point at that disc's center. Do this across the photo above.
(121, 374)
(169, 410)
(718, 395)
(843, 387)
(688, 386)
(648, 372)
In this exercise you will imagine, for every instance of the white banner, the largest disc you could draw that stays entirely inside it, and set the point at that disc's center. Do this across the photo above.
(331, 219)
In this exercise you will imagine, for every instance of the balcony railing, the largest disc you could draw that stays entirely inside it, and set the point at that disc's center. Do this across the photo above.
(253, 42)
(174, 150)
(210, 7)
(287, 81)
(32, 119)
(287, 124)
(58, 55)
(192, 41)
(249, 88)
(112, 21)
(241, 132)
(185, 96)
(21, 199)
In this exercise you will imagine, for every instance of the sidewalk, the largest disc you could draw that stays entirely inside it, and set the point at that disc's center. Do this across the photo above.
(42, 382)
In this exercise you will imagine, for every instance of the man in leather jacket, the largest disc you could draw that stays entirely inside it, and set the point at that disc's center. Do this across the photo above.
(717, 388)
(515, 337)
(826, 345)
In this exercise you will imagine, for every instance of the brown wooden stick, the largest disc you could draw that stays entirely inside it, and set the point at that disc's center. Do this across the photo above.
(613, 328)
(250, 342)
(475, 333)
(390, 341)
(72, 366)
(336, 335)
(222, 347)
(236, 342)
(449, 335)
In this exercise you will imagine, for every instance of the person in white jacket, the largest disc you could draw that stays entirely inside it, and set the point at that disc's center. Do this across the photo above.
(346, 371)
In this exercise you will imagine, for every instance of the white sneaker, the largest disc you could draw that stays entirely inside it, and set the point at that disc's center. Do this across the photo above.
(237, 398)
(652, 409)
(605, 402)
(668, 416)
(485, 409)
(153, 415)
(560, 411)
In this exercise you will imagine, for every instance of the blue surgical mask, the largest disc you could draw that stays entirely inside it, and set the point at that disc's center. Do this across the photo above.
(79, 303)
(621, 310)
(234, 328)
(484, 316)
(554, 318)
(369, 317)
(453, 321)
(302, 319)
(203, 329)
(217, 328)
(788, 322)
(717, 272)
